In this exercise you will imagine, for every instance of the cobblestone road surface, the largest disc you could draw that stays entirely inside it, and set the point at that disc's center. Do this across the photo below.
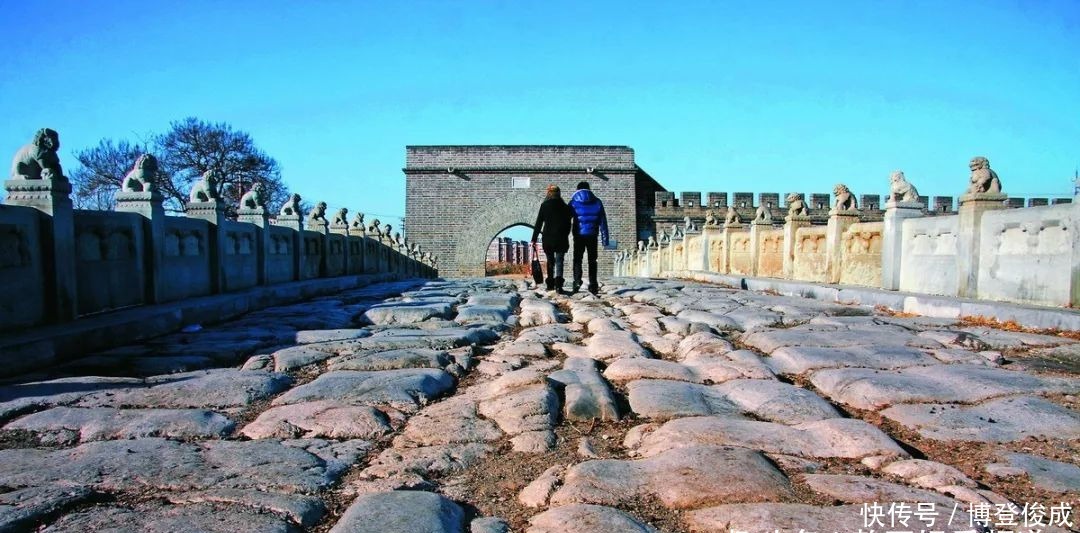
(482, 406)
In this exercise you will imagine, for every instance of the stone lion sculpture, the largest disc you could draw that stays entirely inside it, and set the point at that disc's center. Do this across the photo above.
(141, 176)
(641, 246)
(397, 238)
(205, 190)
(358, 223)
(318, 213)
(845, 201)
(652, 241)
(983, 179)
(732, 216)
(664, 238)
(900, 189)
(763, 214)
(796, 207)
(386, 230)
(38, 160)
(375, 227)
(688, 224)
(254, 198)
(341, 218)
(710, 218)
(291, 207)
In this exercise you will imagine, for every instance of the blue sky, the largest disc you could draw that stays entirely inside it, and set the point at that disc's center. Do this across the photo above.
(713, 96)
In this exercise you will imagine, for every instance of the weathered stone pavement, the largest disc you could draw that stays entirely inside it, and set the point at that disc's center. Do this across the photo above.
(483, 406)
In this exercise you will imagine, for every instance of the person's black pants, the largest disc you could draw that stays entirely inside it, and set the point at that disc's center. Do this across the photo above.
(554, 266)
(583, 243)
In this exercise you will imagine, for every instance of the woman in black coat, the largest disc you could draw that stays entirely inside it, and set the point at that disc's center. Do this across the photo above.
(553, 221)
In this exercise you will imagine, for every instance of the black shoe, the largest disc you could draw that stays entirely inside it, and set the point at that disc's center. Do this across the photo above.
(550, 284)
(594, 289)
(558, 286)
(576, 286)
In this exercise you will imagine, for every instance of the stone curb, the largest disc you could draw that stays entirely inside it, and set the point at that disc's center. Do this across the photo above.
(1029, 316)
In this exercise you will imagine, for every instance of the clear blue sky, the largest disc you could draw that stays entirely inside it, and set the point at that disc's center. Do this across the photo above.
(713, 96)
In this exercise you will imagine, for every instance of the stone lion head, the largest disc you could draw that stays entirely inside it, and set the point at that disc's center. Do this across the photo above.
(979, 163)
(840, 188)
(47, 139)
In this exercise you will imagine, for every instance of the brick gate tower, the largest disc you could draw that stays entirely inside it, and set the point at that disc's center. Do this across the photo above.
(458, 198)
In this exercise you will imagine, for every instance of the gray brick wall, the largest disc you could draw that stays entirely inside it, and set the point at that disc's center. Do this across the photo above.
(456, 215)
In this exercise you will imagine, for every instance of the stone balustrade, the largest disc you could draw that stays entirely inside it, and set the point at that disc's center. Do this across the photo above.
(59, 263)
(985, 250)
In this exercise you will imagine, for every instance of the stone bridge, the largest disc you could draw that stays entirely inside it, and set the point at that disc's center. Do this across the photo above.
(480, 405)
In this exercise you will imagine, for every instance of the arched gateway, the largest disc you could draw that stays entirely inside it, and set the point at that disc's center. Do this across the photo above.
(457, 198)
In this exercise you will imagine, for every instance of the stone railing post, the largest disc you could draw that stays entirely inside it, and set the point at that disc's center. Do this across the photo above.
(730, 229)
(212, 211)
(320, 225)
(695, 261)
(259, 217)
(839, 221)
(756, 227)
(709, 234)
(972, 207)
(791, 226)
(50, 196)
(341, 227)
(892, 239)
(150, 205)
(295, 222)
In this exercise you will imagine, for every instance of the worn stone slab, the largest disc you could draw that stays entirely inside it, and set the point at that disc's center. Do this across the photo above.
(297, 508)
(580, 518)
(401, 512)
(861, 489)
(586, 395)
(537, 312)
(1001, 420)
(768, 341)
(319, 419)
(482, 313)
(154, 517)
(629, 369)
(928, 474)
(489, 524)
(70, 425)
(548, 334)
(21, 509)
(606, 346)
(778, 517)
(218, 388)
(582, 312)
(872, 389)
(701, 344)
(713, 320)
(405, 390)
(170, 465)
(683, 478)
(539, 490)
(391, 360)
(776, 401)
(23, 397)
(438, 338)
(836, 437)
(426, 461)
(530, 408)
(1045, 473)
(799, 359)
(663, 399)
(406, 312)
(451, 421)
(327, 335)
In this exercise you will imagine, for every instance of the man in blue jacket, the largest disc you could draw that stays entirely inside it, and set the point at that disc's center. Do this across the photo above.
(590, 222)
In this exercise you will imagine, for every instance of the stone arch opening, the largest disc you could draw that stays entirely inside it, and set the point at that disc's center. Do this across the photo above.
(509, 252)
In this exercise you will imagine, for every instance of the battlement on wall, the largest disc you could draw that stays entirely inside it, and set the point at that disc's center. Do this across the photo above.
(522, 157)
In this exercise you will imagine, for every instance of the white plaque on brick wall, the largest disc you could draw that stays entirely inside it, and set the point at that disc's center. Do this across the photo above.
(518, 182)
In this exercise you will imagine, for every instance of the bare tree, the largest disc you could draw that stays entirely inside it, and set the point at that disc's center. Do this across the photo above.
(190, 148)
(100, 171)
